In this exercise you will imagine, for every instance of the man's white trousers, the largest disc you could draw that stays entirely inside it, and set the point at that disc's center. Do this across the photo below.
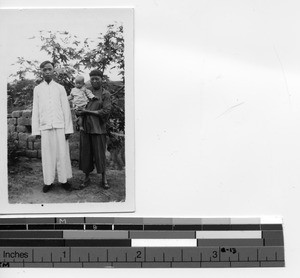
(55, 156)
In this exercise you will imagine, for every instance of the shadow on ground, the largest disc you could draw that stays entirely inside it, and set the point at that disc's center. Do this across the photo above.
(25, 182)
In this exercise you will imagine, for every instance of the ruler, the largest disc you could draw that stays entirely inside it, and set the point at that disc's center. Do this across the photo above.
(97, 242)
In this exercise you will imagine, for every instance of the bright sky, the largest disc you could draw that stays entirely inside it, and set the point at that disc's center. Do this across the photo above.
(25, 24)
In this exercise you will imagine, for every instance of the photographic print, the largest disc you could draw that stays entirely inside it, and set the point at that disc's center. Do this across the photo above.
(69, 111)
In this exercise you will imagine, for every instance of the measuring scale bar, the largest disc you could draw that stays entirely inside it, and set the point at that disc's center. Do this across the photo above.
(138, 242)
(141, 257)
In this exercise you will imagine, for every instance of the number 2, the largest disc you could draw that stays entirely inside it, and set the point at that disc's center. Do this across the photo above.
(138, 254)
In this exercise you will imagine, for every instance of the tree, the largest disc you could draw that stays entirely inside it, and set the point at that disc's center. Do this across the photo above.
(109, 50)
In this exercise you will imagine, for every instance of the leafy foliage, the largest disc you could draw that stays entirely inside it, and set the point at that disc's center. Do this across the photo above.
(109, 50)
(12, 149)
(20, 93)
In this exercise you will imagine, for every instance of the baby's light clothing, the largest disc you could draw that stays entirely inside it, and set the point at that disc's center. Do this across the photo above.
(80, 97)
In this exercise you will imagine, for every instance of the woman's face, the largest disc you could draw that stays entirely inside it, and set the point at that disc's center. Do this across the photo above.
(96, 82)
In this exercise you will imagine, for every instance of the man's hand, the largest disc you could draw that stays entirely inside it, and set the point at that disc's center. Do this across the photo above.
(38, 137)
(67, 136)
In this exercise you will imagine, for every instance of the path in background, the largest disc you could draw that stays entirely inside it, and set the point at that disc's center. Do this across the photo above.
(25, 182)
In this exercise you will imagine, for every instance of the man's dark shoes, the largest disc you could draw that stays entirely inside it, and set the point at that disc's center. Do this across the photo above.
(105, 185)
(46, 188)
(85, 183)
(67, 186)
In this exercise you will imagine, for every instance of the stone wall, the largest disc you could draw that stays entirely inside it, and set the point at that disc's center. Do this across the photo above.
(19, 131)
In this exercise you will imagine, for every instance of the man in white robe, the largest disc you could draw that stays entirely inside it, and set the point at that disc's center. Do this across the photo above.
(52, 121)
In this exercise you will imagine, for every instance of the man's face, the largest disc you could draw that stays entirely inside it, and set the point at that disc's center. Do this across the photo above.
(48, 72)
(96, 82)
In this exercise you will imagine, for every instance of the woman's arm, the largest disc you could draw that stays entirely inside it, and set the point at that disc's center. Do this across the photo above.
(87, 112)
(102, 113)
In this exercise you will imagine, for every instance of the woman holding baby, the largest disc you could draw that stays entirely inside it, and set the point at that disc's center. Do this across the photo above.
(93, 134)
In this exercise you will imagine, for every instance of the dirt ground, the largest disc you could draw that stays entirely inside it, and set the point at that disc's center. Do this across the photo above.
(25, 182)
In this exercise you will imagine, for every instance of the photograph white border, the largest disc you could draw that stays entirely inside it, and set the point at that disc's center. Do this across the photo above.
(126, 15)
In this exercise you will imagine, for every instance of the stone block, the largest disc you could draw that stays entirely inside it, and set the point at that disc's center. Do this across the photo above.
(13, 136)
(21, 153)
(37, 145)
(11, 128)
(21, 128)
(30, 145)
(23, 136)
(31, 138)
(32, 153)
(26, 113)
(74, 136)
(73, 145)
(24, 121)
(74, 154)
(16, 142)
(22, 144)
(12, 121)
(74, 150)
(39, 154)
(16, 114)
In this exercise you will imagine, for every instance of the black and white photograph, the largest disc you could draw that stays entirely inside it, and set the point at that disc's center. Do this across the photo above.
(157, 110)
(69, 83)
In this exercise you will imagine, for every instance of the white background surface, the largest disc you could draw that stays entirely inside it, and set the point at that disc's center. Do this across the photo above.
(217, 118)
